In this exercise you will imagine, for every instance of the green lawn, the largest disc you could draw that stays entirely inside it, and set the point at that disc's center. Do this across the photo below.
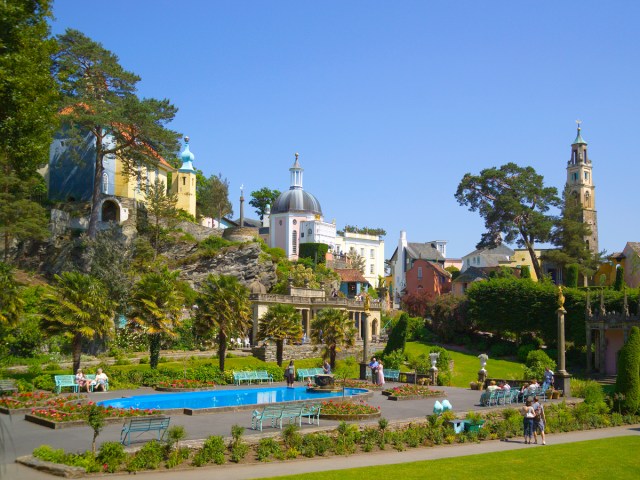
(466, 366)
(615, 458)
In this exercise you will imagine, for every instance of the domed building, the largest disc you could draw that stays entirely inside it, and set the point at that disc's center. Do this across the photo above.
(296, 217)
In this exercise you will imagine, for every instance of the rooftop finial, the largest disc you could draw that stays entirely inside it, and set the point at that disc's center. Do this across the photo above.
(297, 155)
(579, 139)
(186, 139)
(579, 122)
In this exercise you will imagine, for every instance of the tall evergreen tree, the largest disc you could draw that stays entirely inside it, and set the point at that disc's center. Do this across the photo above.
(261, 198)
(11, 303)
(213, 198)
(569, 233)
(161, 207)
(628, 380)
(100, 99)
(28, 101)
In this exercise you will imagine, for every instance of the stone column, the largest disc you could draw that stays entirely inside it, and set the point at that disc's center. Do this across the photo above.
(589, 359)
(562, 377)
(364, 365)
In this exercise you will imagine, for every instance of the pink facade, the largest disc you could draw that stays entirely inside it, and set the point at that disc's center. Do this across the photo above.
(614, 339)
(424, 276)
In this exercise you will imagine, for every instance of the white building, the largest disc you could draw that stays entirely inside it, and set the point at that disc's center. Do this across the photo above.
(369, 247)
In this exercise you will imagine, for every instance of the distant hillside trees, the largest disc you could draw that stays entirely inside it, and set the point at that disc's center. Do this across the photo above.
(213, 198)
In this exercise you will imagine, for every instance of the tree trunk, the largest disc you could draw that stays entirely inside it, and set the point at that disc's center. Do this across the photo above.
(77, 352)
(97, 182)
(332, 357)
(534, 259)
(279, 351)
(93, 444)
(154, 350)
(222, 350)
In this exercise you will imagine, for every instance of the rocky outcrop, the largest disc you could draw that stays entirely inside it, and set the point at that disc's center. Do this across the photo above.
(246, 262)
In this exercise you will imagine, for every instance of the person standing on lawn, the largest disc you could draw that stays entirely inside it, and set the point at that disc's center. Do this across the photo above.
(538, 421)
(528, 415)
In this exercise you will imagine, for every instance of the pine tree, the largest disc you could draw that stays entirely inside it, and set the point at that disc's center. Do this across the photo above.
(619, 283)
(398, 336)
(161, 207)
(28, 100)
(99, 98)
(213, 198)
(628, 379)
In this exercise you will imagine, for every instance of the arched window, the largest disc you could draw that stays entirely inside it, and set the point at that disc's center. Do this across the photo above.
(110, 211)
(294, 242)
(105, 182)
(587, 200)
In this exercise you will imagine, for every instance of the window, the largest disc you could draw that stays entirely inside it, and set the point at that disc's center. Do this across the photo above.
(372, 269)
(362, 252)
(105, 183)
(184, 180)
(419, 273)
(310, 232)
(587, 200)
(295, 222)
(372, 253)
(586, 176)
(294, 242)
(574, 176)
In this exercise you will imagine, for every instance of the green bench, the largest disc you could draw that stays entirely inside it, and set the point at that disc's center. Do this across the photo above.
(252, 376)
(392, 375)
(8, 386)
(277, 414)
(304, 373)
(63, 381)
(142, 425)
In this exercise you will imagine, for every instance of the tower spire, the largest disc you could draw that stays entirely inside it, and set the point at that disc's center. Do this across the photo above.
(579, 140)
(296, 174)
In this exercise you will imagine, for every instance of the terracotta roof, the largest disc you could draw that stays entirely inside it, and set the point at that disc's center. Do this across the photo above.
(351, 275)
(438, 268)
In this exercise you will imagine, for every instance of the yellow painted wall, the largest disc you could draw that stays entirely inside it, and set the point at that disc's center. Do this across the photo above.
(522, 257)
(184, 186)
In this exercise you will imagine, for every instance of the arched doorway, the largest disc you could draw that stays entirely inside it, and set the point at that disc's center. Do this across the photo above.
(374, 327)
(110, 211)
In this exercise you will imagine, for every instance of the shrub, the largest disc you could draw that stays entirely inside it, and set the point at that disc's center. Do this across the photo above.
(572, 276)
(212, 451)
(44, 382)
(523, 352)
(112, 455)
(85, 460)
(502, 349)
(525, 272)
(317, 252)
(393, 360)
(415, 325)
(537, 361)
(268, 447)
(619, 282)
(628, 380)
(147, 458)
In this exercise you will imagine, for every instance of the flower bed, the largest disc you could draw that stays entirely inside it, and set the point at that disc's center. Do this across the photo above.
(184, 385)
(351, 383)
(63, 415)
(25, 401)
(411, 392)
(348, 411)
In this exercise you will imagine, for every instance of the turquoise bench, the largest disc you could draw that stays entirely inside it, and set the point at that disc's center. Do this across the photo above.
(277, 414)
(92, 377)
(304, 373)
(269, 412)
(63, 381)
(392, 375)
(141, 425)
(252, 376)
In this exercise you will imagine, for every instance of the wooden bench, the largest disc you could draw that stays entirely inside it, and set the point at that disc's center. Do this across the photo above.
(8, 386)
(141, 425)
(63, 381)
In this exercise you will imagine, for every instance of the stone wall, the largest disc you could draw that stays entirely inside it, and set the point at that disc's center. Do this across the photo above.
(267, 352)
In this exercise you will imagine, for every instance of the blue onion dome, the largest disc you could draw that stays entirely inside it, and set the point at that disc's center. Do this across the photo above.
(187, 158)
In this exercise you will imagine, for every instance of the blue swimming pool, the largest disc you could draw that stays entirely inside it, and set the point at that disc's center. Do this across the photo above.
(224, 398)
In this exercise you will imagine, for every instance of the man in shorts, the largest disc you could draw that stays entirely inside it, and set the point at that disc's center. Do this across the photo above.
(538, 421)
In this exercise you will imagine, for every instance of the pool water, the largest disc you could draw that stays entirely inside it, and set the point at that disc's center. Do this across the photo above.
(224, 398)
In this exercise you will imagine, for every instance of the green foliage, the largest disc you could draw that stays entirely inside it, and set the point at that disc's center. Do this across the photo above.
(332, 329)
(261, 198)
(161, 208)
(415, 327)
(85, 460)
(398, 336)
(514, 204)
(364, 230)
(268, 447)
(11, 303)
(317, 252)
(279, 323)
(212, 451)
(572, 275)
(223, 309)
(44, 382)
(619, 282)
(449, 318)
(393, 360)
(628, 379)
(156, 304)
(537, 361)
(26, 339)
(96, 416)
(112, 455)
(212, 198)
(148, 457)
(525, 272)
(214, 243)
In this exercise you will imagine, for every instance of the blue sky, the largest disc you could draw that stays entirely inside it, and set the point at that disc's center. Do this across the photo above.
(390, 103)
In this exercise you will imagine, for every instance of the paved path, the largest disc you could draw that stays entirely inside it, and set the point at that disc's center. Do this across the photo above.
(387, 457)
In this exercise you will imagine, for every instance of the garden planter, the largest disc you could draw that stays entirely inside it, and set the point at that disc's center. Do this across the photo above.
(473, 426)
(352, 416)
(178, 389)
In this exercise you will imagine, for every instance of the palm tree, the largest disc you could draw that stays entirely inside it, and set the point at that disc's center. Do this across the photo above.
(78, 308)
(333, 329)
(11, 303)
(280, 323)
(157, 304)
(223, 308)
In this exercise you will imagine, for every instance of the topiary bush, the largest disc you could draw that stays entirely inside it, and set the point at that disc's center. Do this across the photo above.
(628, 380)
(398, 337)
(537, 361)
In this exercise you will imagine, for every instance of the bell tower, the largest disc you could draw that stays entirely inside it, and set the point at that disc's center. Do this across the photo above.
(580, 184)
(185, 181)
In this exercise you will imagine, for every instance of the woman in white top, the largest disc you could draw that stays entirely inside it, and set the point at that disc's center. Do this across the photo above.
(380, 374)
